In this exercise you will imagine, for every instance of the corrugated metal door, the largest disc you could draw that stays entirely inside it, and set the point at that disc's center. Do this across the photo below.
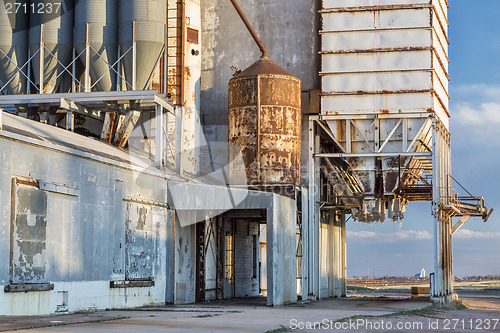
(29, 235)
(139, 242)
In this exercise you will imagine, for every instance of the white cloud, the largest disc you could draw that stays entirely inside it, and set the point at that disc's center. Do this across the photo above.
(476, 93)
(476, 114)
(379, 237)
(471, 234)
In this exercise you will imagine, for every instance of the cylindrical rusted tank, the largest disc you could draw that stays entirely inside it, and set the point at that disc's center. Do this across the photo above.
(265, 123)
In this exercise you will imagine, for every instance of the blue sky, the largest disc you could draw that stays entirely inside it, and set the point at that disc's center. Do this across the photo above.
(404, 248)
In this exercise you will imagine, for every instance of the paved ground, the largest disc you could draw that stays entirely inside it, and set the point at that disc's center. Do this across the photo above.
(254, 316)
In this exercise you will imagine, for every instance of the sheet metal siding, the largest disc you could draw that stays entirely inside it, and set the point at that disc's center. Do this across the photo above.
(14, 32)
(102, 16)
(82, 241)
(385, 55)
(264, 121)
(58, 38)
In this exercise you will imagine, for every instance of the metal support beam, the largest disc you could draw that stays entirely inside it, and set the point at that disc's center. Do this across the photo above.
(42, 58)
(87, 60)
(311, 209)
(460, 223)
(107, 127)
(395, 154)
(70, 121)
(125, 128)
(78, 108)
(159, 156)
(443, 270)
(134, 56)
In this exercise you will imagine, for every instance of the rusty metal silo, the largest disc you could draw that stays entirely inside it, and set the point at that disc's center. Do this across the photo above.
(265, 123)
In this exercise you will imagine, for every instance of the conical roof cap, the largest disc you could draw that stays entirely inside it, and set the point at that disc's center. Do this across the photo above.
(263, 66)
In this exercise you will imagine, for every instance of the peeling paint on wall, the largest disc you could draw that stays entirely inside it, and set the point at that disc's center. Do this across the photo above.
(30, 234)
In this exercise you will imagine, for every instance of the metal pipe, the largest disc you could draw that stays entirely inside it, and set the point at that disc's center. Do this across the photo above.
(28, 84)
(118, 70)
(134, 56)
(250, 29)
(181, 6)
(42, 58)
(73, 72)
(87, 59)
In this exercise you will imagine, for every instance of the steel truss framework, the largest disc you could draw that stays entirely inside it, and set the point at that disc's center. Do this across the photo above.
(43, 53)
(422, 144)
(101, 105)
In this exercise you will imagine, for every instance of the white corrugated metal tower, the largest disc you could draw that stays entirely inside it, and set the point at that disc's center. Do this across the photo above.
(385, 113)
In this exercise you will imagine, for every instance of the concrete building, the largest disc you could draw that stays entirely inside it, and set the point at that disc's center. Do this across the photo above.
(168, 161)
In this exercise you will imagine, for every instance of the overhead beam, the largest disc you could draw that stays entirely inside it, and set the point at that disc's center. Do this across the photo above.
(102, 96)
(78, 108)
(166, 105)
(347, 155)
(330, 134)
(460, 223)
(125, 129)
(108, 126)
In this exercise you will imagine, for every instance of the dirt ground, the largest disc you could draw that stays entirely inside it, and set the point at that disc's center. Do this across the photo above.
(362, 311)
(476, 313)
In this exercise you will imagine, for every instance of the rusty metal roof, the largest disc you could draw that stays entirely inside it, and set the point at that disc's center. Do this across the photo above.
(263, 66)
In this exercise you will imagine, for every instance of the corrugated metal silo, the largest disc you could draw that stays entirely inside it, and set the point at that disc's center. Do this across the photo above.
(384, 72)
(150, 17)
(102, 17)
(14, 43)
(58, 39)
(265, 122)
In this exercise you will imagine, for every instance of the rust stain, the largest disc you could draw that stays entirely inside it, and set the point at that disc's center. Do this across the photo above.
(379, 50)
(377, 92)
(376, 8)
(385, 111)
(265, 122)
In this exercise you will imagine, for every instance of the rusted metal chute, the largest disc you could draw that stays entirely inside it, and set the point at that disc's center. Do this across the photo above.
(265, 121)
(250, 29)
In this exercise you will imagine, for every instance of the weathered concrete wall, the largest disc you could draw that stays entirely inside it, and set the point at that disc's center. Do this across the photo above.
(247, 284)
(288, 29)
(80, 242)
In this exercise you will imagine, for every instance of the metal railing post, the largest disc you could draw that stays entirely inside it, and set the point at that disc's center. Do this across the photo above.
(73, 72)
(42, 58)
(134, 56)
(87, 60)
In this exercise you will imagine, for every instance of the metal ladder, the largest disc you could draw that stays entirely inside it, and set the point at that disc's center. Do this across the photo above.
(175, 50)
